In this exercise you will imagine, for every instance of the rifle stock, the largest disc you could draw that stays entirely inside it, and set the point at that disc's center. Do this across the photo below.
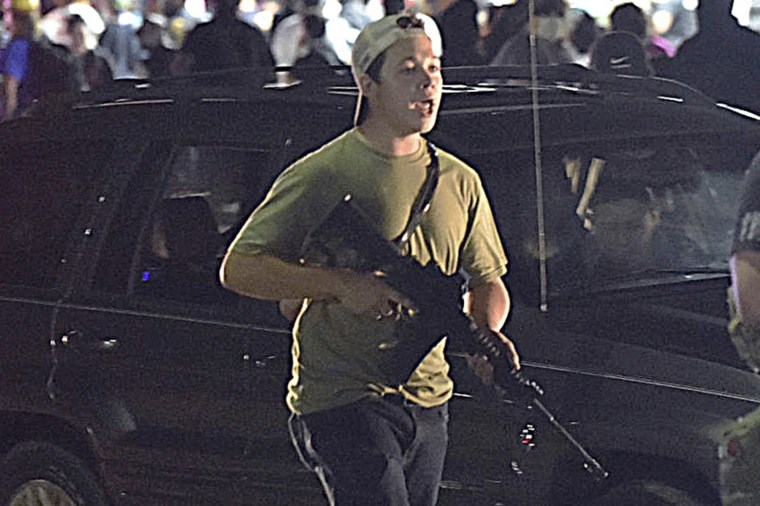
(346, 239)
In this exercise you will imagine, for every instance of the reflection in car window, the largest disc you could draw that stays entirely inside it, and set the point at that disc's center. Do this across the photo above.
(614, 213)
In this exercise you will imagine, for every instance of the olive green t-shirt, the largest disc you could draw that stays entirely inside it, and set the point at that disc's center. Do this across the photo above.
(336, 354)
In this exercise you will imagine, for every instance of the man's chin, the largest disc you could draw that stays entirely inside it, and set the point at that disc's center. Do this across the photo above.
(427, 126)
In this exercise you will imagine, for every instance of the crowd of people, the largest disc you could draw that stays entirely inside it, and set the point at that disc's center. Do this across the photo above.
(116, 39)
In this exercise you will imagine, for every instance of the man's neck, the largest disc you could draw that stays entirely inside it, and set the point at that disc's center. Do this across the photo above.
(389, 144)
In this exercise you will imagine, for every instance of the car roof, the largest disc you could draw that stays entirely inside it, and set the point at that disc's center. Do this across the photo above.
(575, 104)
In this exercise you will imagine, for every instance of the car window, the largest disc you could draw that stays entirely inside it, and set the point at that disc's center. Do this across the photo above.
(208, 192)
(44, 186)
(178, 217)
(613, 213)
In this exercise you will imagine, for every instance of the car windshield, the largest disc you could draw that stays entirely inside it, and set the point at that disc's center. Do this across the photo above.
(612, 214)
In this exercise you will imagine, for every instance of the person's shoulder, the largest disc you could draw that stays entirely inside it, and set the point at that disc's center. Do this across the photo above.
(324, 157)
(20, 42)
(247, 29)
(452, 162)
(18, 49)
(748, 40)
(203, 27)
(459, 173)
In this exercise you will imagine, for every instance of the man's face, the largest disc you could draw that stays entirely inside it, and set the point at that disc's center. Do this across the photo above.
(407, 98)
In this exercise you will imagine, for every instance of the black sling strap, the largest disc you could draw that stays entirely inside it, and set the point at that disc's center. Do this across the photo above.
(422, 202)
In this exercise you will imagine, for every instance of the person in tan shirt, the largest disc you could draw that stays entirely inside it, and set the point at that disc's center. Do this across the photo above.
(370, 439)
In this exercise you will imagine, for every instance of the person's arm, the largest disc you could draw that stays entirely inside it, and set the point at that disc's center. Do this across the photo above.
(488, 305)
(267, 277)
(10, 91)
(745, 274)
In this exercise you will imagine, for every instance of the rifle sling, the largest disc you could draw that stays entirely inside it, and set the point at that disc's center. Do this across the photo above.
(422, 202)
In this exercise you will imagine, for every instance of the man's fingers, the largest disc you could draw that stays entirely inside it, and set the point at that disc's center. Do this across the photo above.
(514, 357)
(398, 301)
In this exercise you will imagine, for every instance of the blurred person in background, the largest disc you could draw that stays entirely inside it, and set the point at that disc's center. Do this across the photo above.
(630, 18)
(458, 22)
(550, 29)
(291, 42)
(339, 33)
(164, 28)
(225, 42)
(584, 34)
(178, 23)
(314, 51)
(287, 37)
(357, 13)
(93, 68)
(620, 53)
(393, 6)
(15, 59)
(721, 60)
(260, 14)
(120, 41)
(54, 24)
(503, 22)
(287, 9)
(157, 57)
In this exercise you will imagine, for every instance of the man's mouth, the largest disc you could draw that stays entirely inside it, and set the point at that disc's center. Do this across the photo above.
(424, 107)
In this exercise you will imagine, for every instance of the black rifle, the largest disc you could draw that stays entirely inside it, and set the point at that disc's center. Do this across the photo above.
(346, 239)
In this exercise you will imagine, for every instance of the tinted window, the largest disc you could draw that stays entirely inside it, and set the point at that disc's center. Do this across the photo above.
(612, 213)
(44, 186)
(176, 221)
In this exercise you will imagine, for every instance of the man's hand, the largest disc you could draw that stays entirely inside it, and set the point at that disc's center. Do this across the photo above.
(483, 368)
(369, 294)
(514, 357)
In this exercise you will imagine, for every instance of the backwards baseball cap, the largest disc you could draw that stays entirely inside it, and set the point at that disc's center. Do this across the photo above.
(379, 35)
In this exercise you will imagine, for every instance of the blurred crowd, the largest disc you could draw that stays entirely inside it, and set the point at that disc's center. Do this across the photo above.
(102, 40)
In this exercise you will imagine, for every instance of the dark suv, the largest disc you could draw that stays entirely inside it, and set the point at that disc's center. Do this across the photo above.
(128, 375)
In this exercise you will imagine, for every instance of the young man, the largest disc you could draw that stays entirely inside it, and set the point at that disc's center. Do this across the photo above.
(373, 442)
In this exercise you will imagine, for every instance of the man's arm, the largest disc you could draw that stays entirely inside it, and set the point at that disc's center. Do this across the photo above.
(267, 277)
(488, 305)
(745, 273)
(10, 90)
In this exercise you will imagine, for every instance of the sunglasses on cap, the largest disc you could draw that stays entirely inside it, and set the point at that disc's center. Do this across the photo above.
(405, 22)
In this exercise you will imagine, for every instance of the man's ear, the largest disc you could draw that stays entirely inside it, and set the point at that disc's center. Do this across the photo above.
(366, 84)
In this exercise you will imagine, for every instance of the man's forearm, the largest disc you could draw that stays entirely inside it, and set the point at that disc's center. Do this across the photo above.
(10, 90)
(488, 305)
(267, 277)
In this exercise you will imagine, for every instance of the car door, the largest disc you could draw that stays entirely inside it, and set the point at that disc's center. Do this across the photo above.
(630, 343)
(182, 381)
(45, 188)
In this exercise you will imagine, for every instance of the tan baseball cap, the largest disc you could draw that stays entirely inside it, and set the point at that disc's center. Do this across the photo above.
(379, 35)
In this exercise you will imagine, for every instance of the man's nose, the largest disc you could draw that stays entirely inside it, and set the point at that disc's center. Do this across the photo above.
(430, 78)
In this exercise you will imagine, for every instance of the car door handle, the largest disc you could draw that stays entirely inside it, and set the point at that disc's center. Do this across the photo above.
(260, 363)
(77, 340)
